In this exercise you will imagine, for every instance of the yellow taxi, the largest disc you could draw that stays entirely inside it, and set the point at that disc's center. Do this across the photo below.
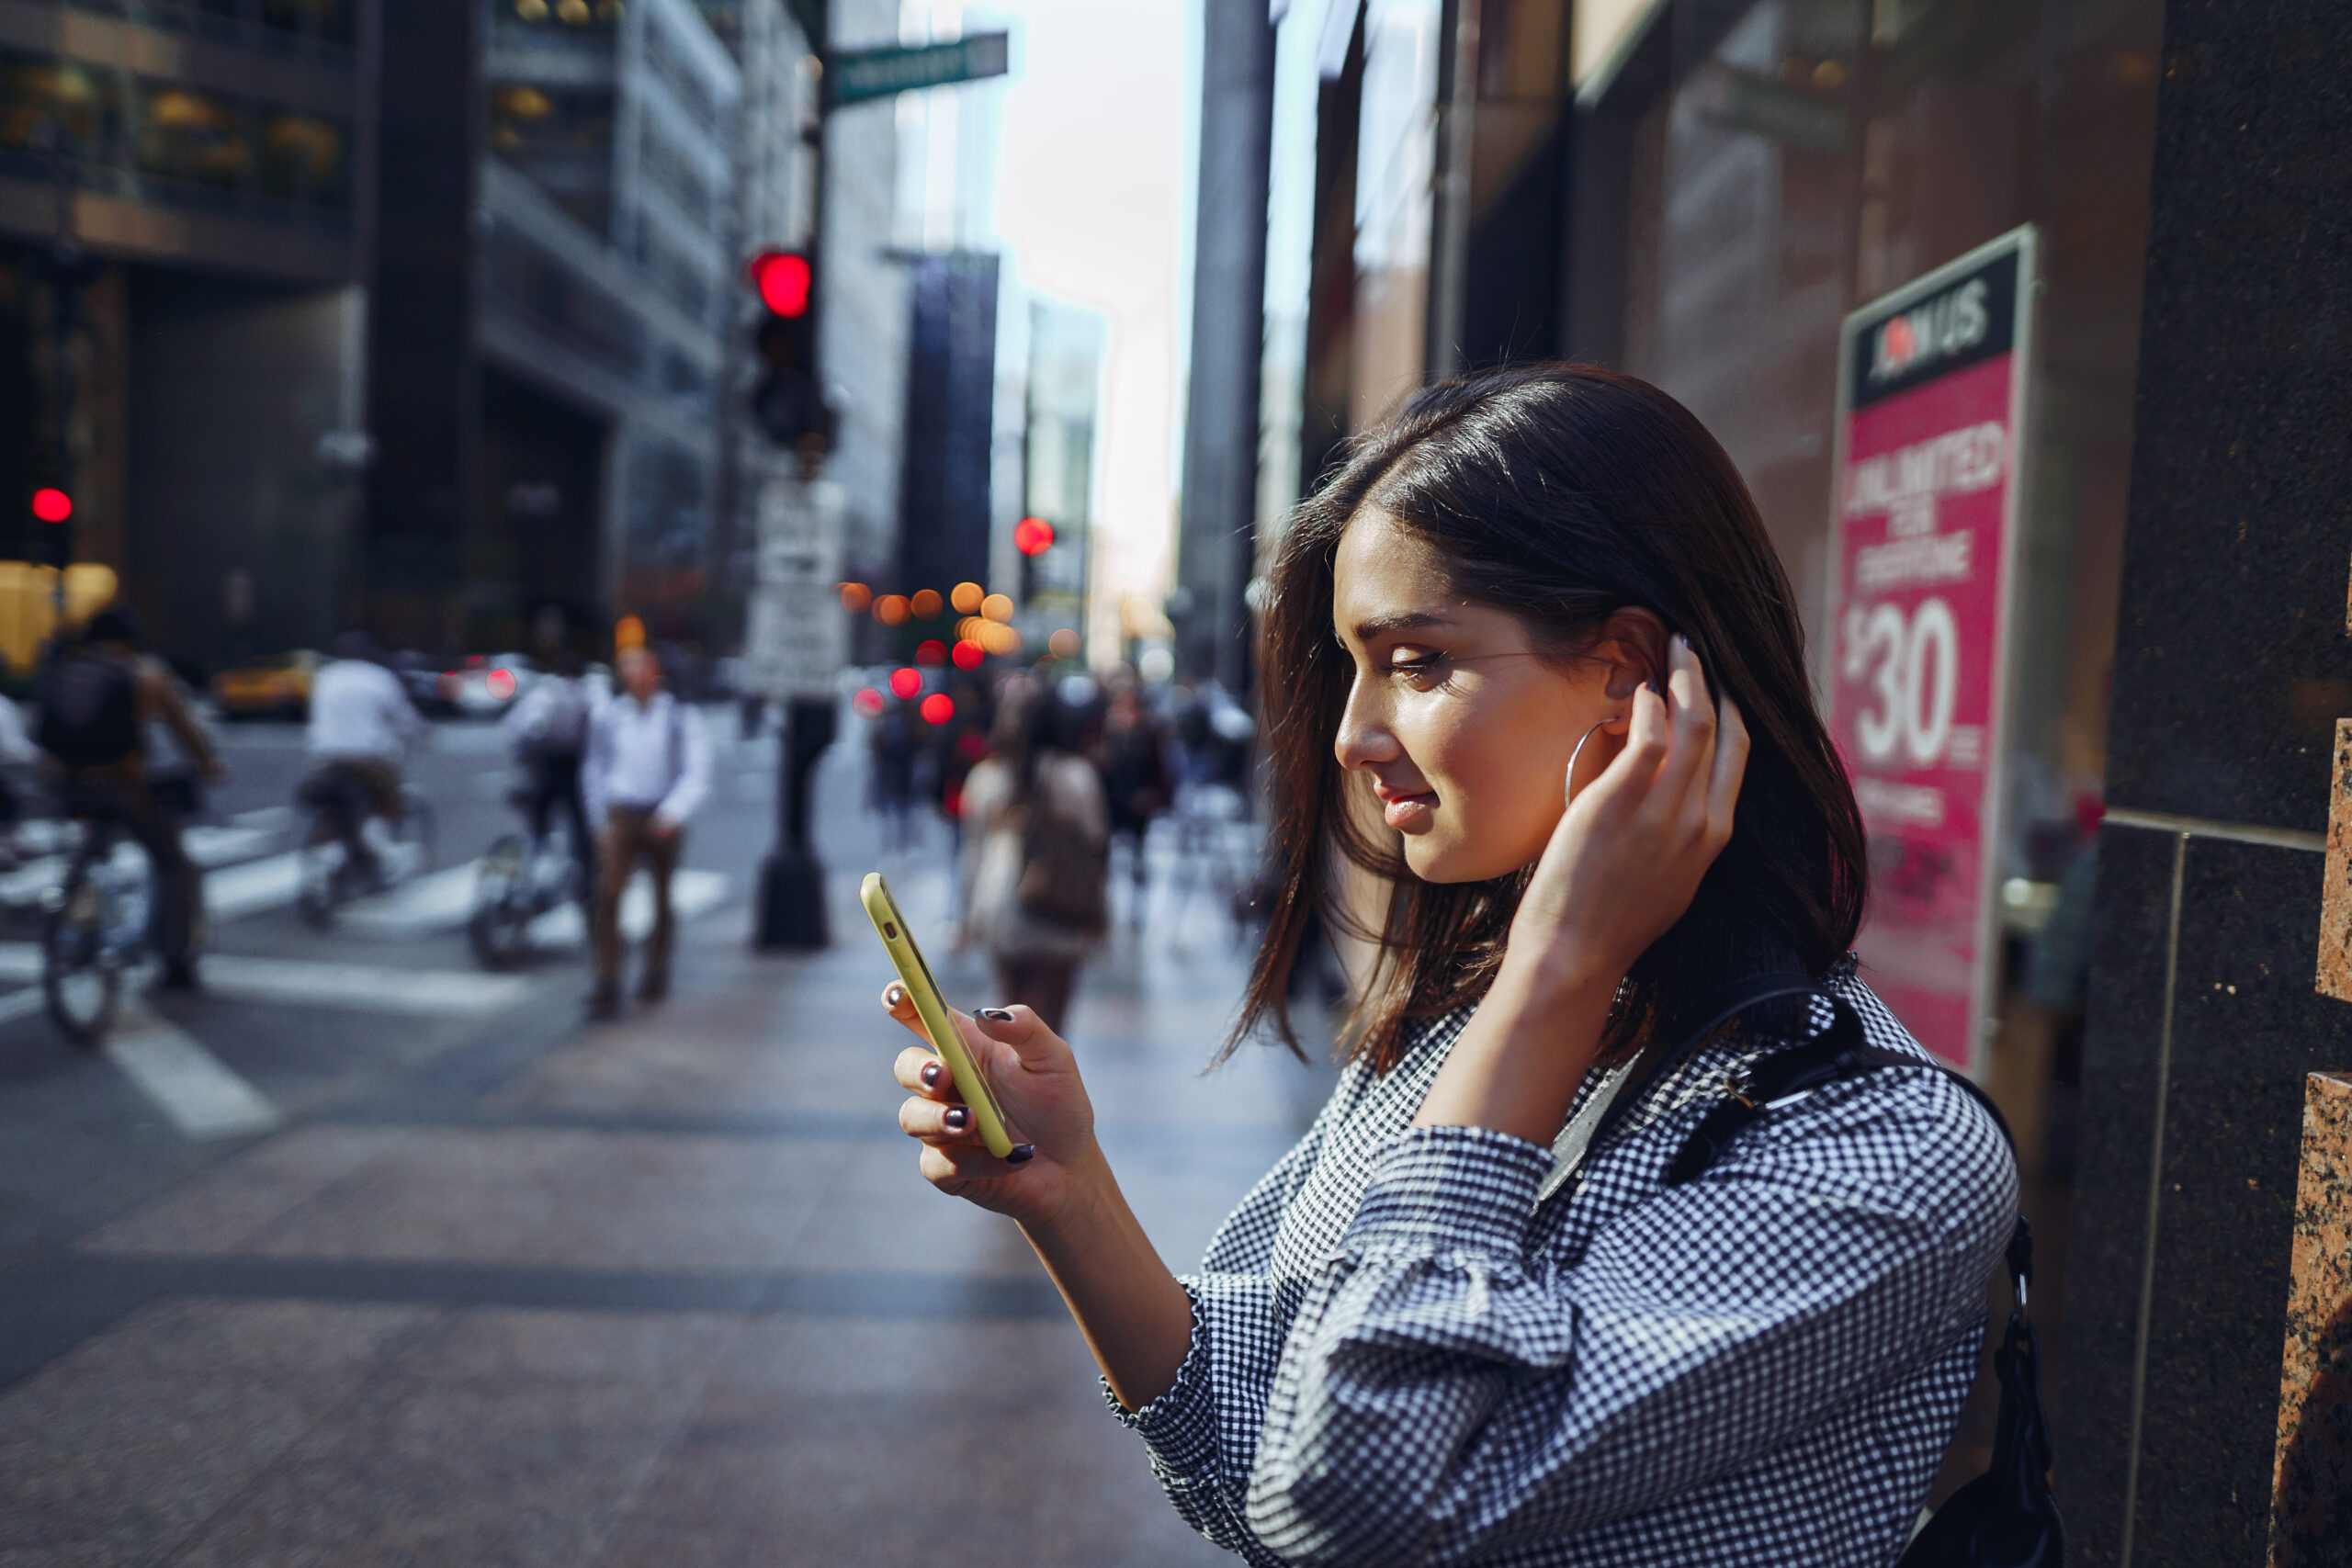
(276, 687)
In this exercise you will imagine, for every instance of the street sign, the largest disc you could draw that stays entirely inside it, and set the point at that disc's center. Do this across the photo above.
(795, 642)
(860, 74)
(1932, 383)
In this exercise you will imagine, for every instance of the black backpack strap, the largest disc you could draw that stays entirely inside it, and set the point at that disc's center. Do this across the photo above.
(1695, 1026)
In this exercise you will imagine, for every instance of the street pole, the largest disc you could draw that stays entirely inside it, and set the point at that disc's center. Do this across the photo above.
(792, 879)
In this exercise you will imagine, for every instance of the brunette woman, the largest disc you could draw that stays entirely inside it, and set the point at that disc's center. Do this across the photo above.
(1467, 1320)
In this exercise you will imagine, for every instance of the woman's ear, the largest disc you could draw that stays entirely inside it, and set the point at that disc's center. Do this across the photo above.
(1633, 646)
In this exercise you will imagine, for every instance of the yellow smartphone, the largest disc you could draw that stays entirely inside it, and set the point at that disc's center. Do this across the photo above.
(970, 1087)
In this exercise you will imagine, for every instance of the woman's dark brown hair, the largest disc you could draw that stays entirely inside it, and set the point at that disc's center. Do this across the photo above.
(1561, 493)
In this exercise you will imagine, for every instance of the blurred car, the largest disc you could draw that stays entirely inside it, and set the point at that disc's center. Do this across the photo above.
(421, 678)
(277, 687)
(487, 684)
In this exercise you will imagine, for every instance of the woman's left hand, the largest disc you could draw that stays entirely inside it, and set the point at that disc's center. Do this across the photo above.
(1628, 854)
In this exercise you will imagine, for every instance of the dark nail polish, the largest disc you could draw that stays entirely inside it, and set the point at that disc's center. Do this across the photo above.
(997, 1015)
(1683, 640)
(895, 995)
(1022, 1153)
(930, 1076)
(955, 1120)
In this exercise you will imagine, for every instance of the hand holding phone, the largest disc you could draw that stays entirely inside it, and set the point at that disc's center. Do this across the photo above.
(899, 940)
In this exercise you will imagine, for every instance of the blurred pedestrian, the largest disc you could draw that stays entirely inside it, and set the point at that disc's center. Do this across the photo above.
(1131, 751)
(1036, 832)
(647, 771)
(362, 725)
(890, 781)
(117, 724)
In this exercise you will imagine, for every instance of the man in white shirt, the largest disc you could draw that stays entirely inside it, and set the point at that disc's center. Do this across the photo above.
(647, 769)
(361, 727)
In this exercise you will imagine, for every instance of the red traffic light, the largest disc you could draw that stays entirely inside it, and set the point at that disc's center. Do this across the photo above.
(1033, 536)
(52, 504)
(783, 279)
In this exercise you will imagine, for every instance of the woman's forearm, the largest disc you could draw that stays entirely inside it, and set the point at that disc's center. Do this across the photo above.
(1138, 1320)
(1522, 1056)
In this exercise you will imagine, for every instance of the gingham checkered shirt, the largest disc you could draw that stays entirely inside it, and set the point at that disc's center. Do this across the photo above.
(1398, 1356)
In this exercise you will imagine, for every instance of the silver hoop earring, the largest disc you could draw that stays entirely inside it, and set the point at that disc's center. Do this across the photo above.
(1570, 788)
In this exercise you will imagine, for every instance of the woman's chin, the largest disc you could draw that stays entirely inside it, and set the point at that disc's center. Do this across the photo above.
(1436, 857)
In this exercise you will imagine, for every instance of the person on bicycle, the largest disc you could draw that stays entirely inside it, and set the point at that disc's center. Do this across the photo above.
(547, 727)
(362, 725)
(111, 717)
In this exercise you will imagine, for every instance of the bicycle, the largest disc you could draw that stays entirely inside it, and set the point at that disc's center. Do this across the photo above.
(523, 877)
(94, 923)
(336, 804)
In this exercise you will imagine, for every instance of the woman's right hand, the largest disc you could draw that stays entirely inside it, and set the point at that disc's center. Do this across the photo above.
(1033, 1075)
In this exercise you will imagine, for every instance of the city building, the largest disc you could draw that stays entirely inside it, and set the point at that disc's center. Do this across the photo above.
(185, 223)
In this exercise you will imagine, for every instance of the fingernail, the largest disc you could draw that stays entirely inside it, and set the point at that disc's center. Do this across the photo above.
(996, 1015)
(1022, 1153)
(930, 1076)
(895, 995)
(957, 1119)
(1657, 688)
(1683, 640)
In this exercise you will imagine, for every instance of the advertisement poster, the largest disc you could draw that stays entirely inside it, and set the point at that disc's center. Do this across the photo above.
(1932, 383)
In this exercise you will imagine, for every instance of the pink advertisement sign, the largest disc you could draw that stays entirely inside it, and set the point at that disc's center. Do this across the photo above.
(1931, 403)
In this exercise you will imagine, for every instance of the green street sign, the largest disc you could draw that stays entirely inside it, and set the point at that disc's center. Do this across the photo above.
(861, 75)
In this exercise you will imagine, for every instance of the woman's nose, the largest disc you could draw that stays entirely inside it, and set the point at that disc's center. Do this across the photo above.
(1364, 739)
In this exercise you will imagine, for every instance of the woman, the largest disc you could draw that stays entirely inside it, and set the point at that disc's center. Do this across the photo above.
(1433, 1334)
(1036, 831)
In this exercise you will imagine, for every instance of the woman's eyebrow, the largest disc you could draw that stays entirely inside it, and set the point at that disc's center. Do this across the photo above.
(1411, 620)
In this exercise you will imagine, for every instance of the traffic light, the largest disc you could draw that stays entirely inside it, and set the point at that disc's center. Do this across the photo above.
(787, 402)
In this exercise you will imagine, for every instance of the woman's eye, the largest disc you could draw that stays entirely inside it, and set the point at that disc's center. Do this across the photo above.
(1420, 670)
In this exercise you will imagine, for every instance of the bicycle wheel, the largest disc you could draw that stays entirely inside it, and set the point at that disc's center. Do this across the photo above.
(499, 926)
(319, 871)
(80, 982)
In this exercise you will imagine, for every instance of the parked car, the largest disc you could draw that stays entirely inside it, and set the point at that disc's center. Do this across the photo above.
(487, 684)
(276, 687)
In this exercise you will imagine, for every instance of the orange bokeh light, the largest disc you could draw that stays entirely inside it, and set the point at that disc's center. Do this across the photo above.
(855, 597)
(891, 609)
(966, 598)
(997, 607)
(926, 604)
(1063, 644)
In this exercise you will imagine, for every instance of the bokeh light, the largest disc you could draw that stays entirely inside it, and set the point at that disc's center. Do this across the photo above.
(938, 708)
(930, 651)
(855, 597)
(905, 682)
(966, 598)
(52, 504)
(968, 654)
(927, 605)
(1063, 644)
(891, 609)
(868, 702)
(1033, 536)
(997, 607)
(628, 632)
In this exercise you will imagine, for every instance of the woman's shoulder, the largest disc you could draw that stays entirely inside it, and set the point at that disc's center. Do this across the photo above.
(1907, 1126)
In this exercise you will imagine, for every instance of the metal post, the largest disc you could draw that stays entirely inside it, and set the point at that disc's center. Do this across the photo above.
(792, 880)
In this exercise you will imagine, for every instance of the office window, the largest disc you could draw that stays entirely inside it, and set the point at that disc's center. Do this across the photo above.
(188, 135)
(304, 159)
(56, 105)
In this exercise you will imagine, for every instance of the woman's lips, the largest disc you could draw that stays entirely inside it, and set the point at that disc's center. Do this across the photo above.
(1409, 812)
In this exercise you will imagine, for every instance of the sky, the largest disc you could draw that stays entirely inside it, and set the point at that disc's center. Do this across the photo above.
(1092, 192)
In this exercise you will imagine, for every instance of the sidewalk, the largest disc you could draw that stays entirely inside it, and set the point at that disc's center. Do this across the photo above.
(669, 1294)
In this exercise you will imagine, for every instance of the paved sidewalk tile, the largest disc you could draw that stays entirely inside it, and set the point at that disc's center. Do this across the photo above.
(671, 1294)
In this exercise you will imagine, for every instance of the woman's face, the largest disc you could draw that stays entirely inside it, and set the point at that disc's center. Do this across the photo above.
(1465, 730)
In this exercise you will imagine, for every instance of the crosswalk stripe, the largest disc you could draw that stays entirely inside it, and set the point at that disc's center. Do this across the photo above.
(198, 1092)
(364, 988)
